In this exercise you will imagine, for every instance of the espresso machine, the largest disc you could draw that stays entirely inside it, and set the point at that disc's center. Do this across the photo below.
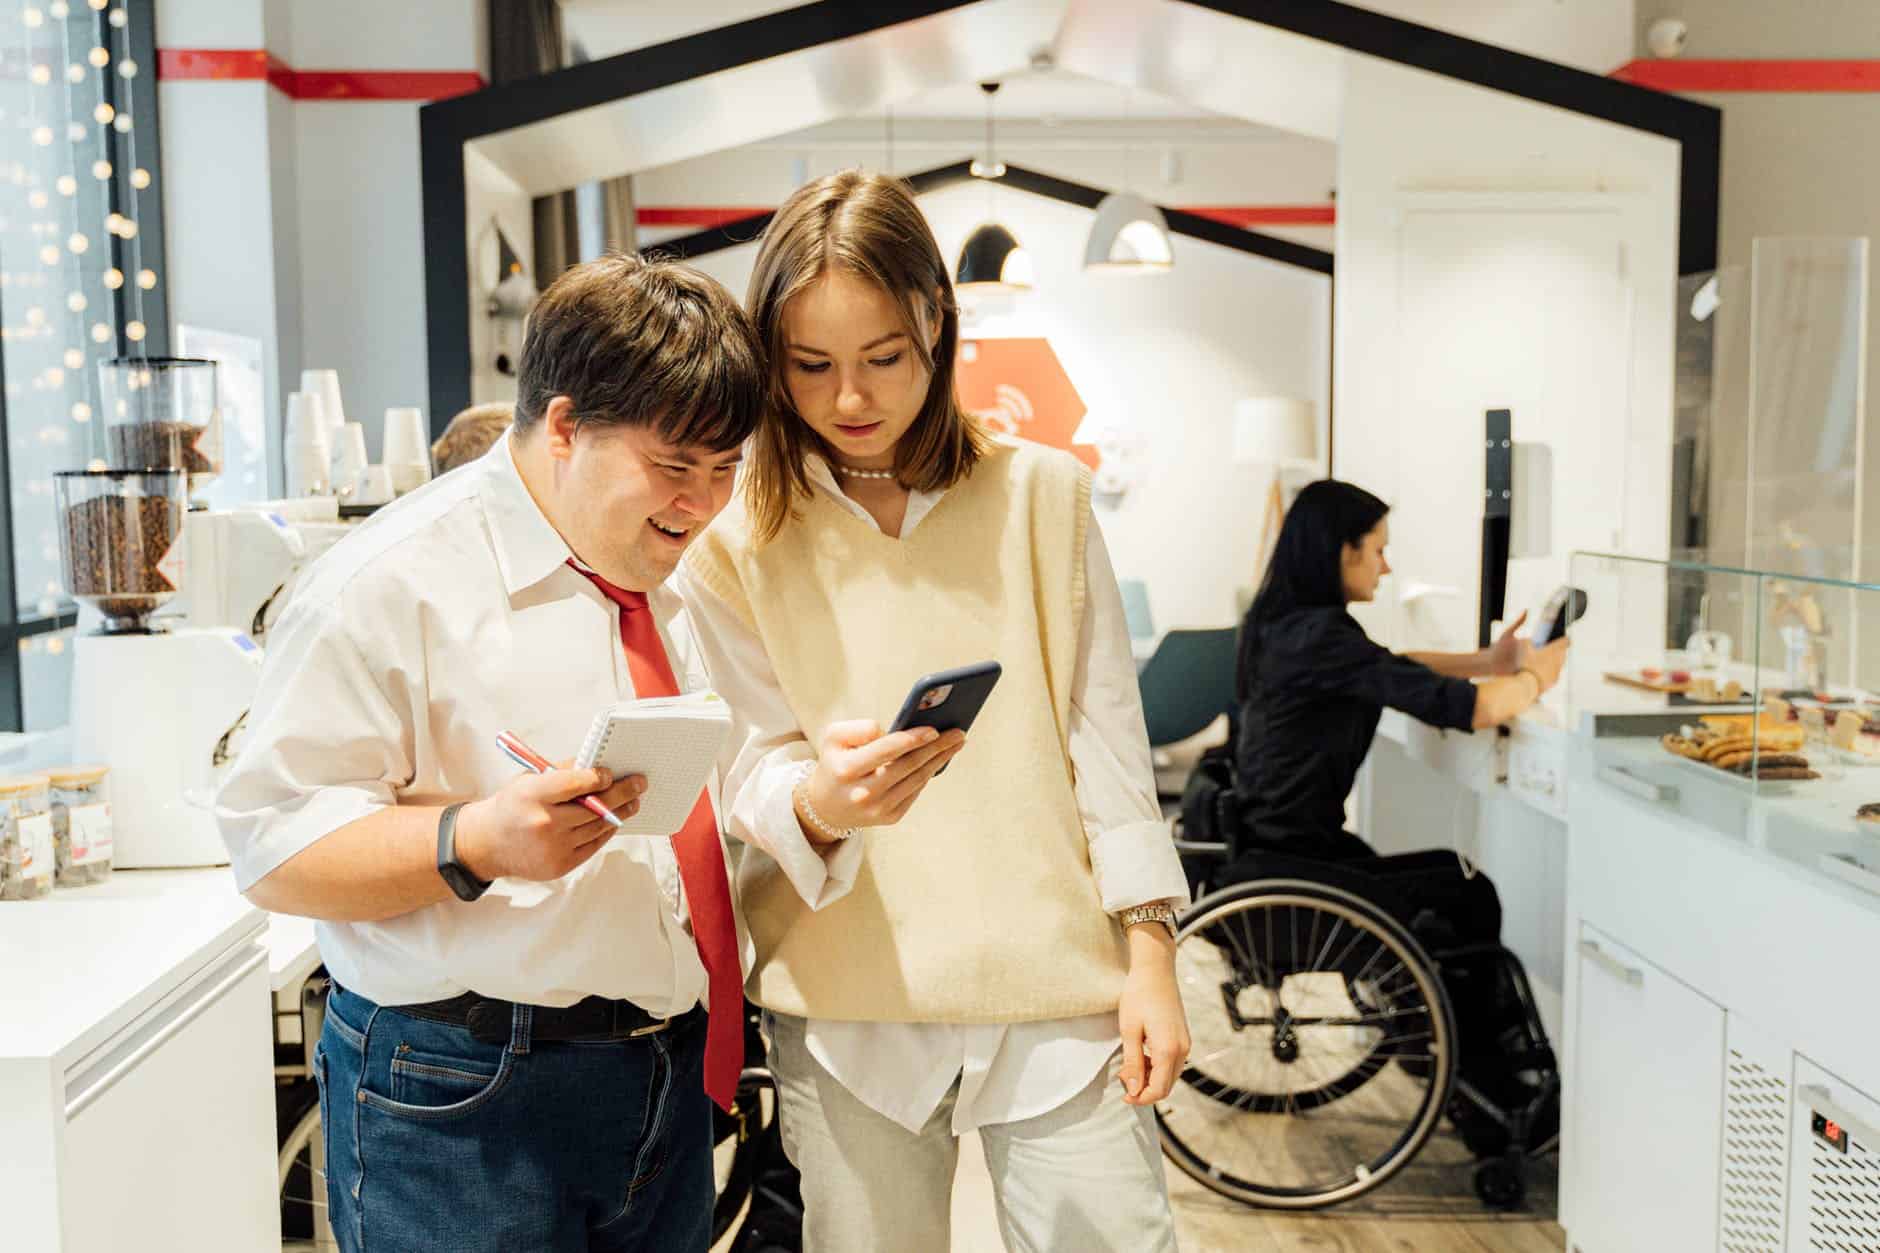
(160, 702)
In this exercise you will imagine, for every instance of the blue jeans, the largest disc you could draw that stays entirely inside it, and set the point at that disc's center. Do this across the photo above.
(437, 1140)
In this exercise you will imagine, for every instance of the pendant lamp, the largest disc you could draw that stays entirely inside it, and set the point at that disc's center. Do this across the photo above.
(992, 256)
(1130, 235)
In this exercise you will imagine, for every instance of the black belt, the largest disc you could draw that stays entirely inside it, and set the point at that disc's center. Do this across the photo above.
(595, 1018)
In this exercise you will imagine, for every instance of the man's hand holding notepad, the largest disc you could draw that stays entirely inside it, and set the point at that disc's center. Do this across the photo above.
(672, 741)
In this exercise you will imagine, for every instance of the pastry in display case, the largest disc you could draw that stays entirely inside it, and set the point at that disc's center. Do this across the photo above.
(1785, 763)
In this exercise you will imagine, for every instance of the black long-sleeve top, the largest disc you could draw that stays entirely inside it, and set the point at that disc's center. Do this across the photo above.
(1318, 687)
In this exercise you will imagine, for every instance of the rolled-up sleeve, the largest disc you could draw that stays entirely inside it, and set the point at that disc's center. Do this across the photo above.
(324, 747)
(1132, 848)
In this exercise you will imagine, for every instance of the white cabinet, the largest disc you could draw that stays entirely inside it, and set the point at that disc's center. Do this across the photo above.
(161, 1150)
(1834, 1180)
(1648, 1076)
(136, 1076)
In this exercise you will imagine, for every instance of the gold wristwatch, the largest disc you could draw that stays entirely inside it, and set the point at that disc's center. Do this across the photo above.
(1154, 911)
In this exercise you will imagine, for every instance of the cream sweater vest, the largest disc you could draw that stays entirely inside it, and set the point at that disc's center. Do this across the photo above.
(980, 904)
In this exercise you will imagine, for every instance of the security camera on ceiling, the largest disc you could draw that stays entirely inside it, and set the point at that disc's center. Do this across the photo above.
(1665, 37)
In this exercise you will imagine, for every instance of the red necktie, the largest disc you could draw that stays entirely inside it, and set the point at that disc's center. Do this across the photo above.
(701, 862)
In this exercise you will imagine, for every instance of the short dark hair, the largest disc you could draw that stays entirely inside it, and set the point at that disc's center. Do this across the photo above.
(644, 342)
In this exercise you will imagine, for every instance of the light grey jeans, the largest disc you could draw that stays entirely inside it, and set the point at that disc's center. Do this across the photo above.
(1087, 1175)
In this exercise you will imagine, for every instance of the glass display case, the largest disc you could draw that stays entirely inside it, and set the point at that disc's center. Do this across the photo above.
(1737, 699)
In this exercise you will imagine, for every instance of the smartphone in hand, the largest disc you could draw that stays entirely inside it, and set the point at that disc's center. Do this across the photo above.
(949, 700)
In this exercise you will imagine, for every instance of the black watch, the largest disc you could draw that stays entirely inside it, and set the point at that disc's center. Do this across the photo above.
(466, 885)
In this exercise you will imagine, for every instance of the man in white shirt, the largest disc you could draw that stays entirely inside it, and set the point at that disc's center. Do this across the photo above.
(515, 1053)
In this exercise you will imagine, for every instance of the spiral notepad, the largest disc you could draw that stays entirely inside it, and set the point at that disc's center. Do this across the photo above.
(672, 740)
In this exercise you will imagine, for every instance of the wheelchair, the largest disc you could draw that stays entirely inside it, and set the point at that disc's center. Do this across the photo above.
(1326, 1051)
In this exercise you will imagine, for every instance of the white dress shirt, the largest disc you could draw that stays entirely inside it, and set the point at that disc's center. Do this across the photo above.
(1007, 1071)
(448, 617)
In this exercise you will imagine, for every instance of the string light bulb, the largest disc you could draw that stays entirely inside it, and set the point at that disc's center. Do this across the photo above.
(140, 178)
(114, 278)
(119, 17)
(128, 230)
(49, 255)
(59, 10)
(77, 243)
(101, 169)
(147, 279)
(134, 331)
(74, 73)
(103, 113)
(35, 316)
(76, 302)
(81, 412)
(127, 68)
(100, 332)
(123, 124)
(115, 223)
(75, 131)
(55, 376)
(34, 18)
(67, 185)
(97, 6)
(42, 135)
(99, 58)
(74, 359)
(37, 200)
(40, 74)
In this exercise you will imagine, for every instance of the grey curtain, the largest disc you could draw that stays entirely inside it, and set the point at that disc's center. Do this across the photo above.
(527, 39)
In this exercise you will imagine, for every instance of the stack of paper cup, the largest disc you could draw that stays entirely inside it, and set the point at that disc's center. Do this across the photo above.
(325, 384)
(308, 452)
(406, 454)
(375, 487)
(349, 460)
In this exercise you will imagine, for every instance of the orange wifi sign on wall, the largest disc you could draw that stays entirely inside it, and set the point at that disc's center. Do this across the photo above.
(1019, 387)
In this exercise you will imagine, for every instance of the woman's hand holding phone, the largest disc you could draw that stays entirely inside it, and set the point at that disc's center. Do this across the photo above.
(866, 779)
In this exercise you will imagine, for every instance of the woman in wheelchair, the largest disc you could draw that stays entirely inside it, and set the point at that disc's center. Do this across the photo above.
(1329, 961)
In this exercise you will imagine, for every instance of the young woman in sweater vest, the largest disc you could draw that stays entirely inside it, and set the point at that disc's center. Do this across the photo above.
(990, 948)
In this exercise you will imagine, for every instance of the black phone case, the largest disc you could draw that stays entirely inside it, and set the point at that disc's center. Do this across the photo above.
(1569, 605)
(971, 686)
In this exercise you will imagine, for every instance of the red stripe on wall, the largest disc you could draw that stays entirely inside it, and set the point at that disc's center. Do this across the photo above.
(254, 64)
(1769, 76)
(1269, 214)
(703, 217)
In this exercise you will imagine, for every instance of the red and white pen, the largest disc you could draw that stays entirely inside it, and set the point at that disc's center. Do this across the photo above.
(529, 759)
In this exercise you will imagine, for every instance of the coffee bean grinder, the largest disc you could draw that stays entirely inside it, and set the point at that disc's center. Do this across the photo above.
(160, 704)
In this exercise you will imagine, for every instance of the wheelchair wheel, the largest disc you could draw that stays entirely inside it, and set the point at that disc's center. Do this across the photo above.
(1323, 1047)
(302, 1169)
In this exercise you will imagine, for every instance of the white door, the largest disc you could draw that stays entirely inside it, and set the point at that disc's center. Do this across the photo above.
(1505, 309)
(1646, 1106)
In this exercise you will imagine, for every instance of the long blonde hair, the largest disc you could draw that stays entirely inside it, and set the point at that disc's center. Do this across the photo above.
(869, 225)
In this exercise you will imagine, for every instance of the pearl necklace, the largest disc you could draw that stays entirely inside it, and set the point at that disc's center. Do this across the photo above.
(853, 473)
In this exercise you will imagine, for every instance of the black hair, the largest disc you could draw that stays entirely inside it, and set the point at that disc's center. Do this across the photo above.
(1306, 571)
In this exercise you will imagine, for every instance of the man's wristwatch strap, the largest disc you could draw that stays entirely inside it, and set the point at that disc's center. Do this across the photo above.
(466, 885)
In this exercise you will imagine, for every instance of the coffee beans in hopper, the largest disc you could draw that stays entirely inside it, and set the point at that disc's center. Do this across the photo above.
(158, 446)
(116, 543)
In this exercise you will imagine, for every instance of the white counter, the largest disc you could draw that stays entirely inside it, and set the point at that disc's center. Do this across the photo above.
(136, 1065)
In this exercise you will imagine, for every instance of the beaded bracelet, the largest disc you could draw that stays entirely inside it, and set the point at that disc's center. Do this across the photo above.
(835, 835)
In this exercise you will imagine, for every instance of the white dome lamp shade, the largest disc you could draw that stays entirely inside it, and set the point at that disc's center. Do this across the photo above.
(992, 257)
(1129, 236)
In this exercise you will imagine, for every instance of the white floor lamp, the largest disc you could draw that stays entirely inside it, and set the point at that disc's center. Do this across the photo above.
(1278, 432)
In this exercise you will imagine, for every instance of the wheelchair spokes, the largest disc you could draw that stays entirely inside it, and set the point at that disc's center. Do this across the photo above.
(1322, 1046)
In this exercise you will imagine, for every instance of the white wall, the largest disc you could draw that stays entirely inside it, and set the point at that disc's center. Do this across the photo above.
(1410, 136)
(300, 222)
(1593, 35)
(1169, 354)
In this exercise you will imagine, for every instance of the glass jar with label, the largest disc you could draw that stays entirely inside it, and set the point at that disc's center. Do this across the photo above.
(26, 847)
(81, 824)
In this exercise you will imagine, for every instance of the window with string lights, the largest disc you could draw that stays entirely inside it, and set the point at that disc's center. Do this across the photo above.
(81, 279)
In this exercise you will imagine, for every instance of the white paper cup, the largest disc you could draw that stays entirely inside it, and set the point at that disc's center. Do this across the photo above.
(375, 487)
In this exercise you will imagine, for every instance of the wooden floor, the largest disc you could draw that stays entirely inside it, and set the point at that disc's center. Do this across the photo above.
(1430, 1208)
